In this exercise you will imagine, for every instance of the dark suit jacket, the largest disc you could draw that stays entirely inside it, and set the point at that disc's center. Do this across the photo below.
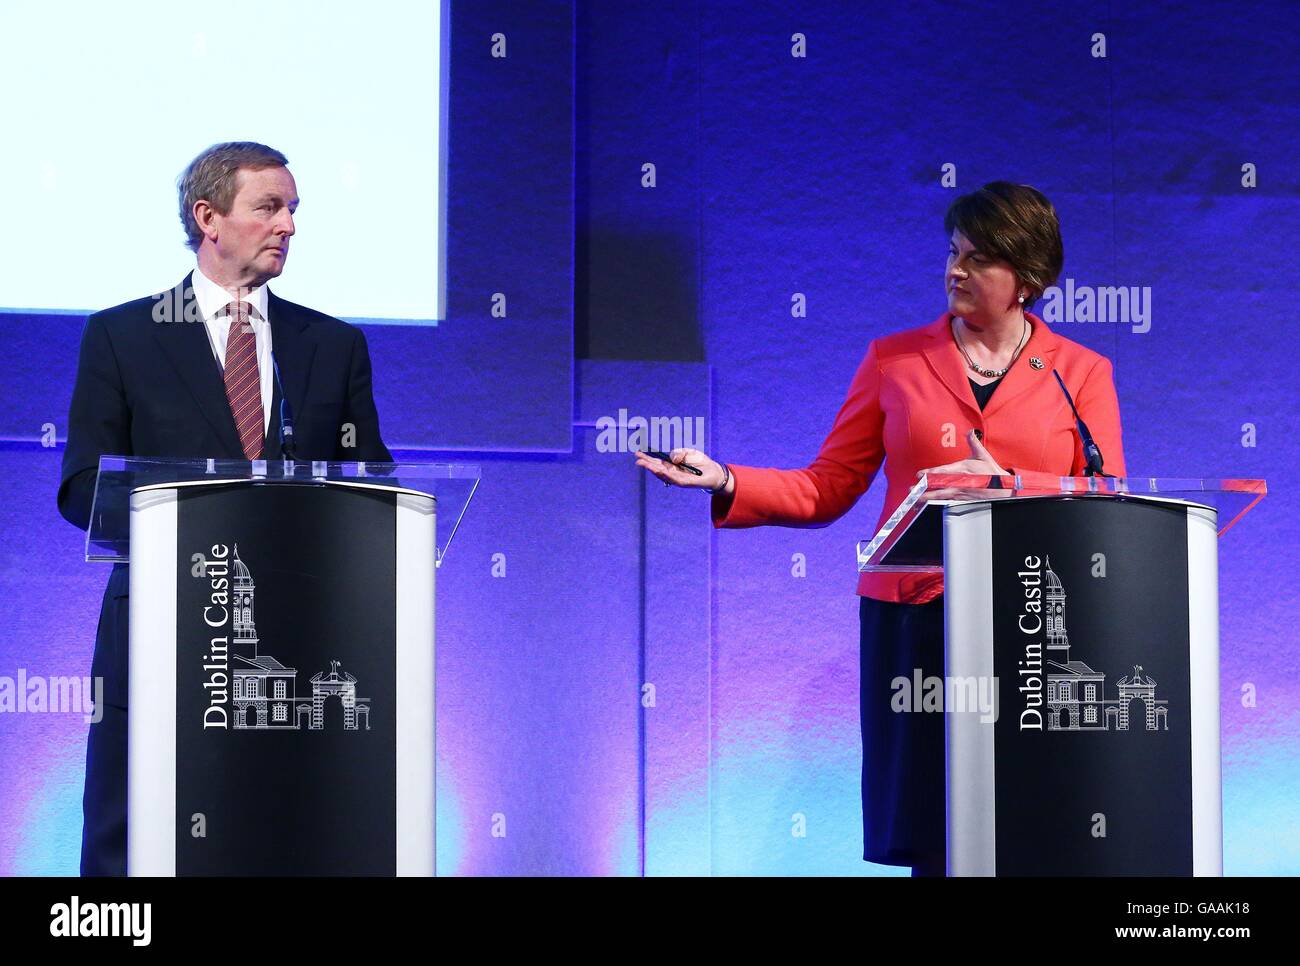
(150, 388)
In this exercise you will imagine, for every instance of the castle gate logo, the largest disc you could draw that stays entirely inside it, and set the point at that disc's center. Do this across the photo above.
(250, 690)
(1074, 698)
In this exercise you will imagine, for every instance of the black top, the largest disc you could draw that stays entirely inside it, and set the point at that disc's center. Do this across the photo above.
(982, 393)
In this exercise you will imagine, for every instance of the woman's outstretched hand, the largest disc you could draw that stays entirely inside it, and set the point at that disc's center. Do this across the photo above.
(711, 475)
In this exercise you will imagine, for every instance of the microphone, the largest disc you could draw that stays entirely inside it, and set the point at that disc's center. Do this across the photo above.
(1091, 451)
(287, 445)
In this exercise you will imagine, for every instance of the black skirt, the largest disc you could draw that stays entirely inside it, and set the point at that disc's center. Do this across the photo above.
(902, 753)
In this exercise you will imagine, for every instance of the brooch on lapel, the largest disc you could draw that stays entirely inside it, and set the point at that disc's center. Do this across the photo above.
(1035, 362)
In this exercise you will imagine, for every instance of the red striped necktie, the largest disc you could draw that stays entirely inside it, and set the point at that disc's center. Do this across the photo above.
(243, 381)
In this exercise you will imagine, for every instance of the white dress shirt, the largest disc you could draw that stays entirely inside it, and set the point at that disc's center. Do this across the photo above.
(211, 299)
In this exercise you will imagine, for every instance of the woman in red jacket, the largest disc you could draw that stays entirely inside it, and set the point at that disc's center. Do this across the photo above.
(978, 379)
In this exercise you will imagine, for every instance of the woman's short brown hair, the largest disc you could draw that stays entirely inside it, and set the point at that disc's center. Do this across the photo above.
(1017, 224)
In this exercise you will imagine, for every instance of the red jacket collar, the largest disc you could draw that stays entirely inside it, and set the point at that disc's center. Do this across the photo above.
(946, 360)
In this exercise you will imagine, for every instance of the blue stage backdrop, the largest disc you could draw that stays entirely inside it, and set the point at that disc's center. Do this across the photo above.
(757, 193)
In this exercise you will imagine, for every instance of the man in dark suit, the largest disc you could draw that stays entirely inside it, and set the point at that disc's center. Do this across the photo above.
(189, 373)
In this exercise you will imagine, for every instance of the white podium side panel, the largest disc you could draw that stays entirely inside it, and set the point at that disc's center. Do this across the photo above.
(968, 650)
(1203, 625)
(415, 686)
(151, 722)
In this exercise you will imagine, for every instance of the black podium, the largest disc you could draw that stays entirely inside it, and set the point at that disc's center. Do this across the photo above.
(1081, 684)
(281, 698)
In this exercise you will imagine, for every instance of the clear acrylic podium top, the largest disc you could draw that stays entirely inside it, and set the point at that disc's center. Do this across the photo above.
(452, 486)
(911, 539)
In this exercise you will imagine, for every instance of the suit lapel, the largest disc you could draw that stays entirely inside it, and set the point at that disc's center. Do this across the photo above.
(294, 350)
(1023, 376)
(184, 340)
(945, 360)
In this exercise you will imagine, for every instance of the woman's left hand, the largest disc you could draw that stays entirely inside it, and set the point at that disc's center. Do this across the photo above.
(981, 462)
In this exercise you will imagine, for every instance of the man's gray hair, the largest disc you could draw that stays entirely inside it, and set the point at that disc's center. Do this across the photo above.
(211, 177)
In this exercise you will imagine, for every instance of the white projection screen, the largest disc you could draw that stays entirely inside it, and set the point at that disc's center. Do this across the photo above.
(105, 103)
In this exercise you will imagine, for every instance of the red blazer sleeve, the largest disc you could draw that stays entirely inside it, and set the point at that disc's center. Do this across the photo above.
(831, 484)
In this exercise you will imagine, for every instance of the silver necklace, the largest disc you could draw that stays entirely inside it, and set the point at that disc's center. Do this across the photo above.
(991, 373)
